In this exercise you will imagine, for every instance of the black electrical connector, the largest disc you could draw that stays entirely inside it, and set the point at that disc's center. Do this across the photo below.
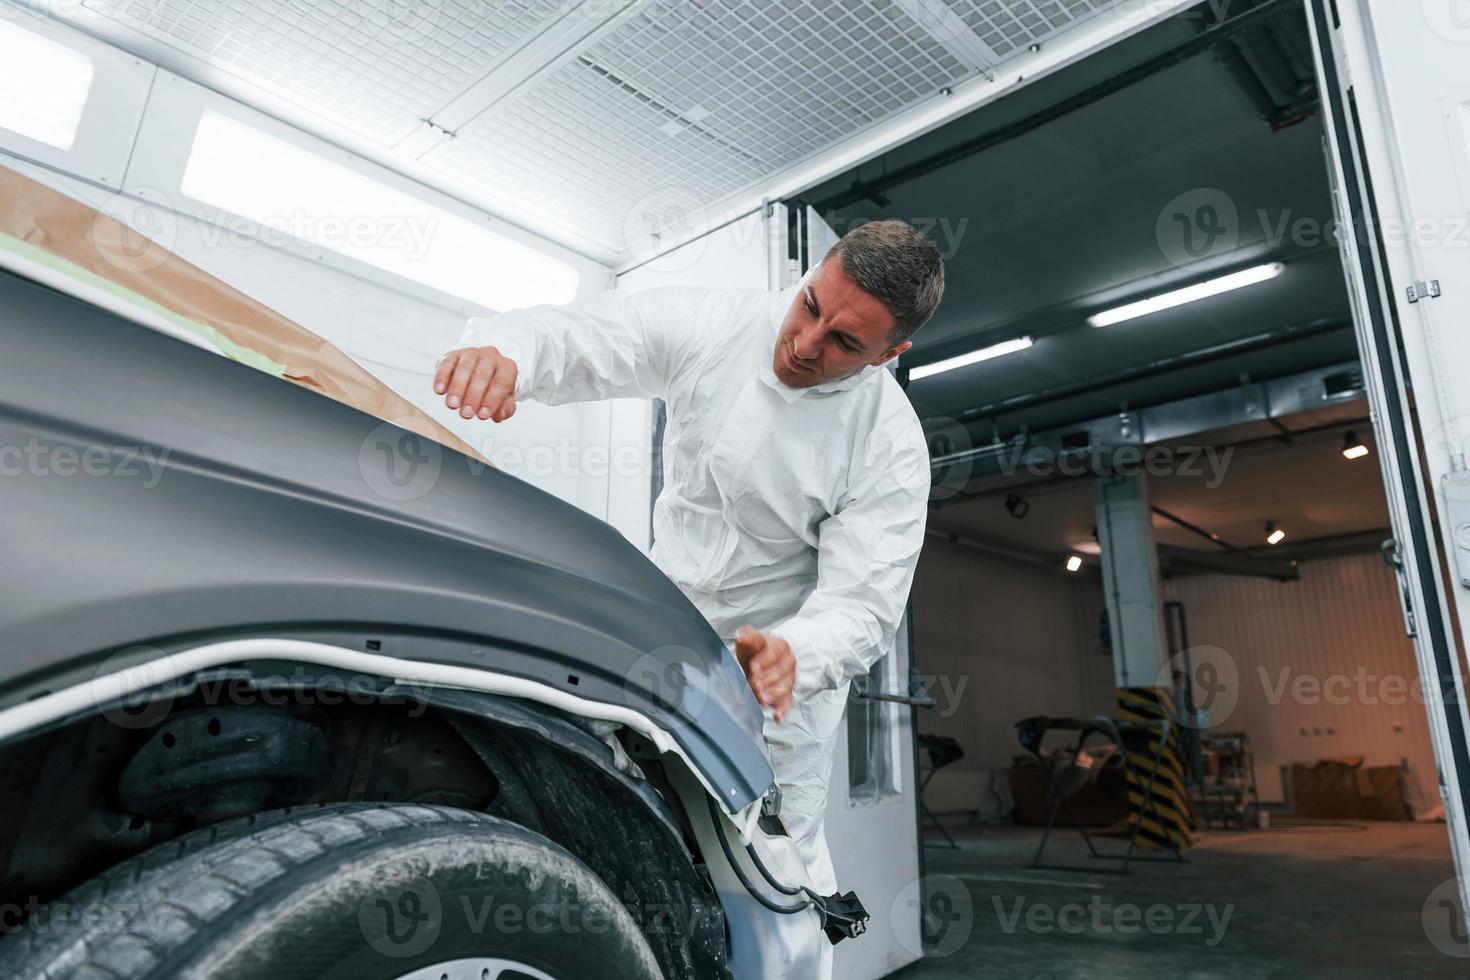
(843, 917)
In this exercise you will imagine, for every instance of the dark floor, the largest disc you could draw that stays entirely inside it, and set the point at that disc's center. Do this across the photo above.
(1311, 899)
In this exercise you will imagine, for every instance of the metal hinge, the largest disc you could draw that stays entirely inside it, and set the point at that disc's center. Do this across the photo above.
(1424, 290)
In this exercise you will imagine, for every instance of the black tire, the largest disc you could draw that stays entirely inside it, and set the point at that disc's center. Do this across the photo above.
(357, 891)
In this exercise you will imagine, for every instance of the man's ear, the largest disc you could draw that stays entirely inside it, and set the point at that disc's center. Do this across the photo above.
(893, 352)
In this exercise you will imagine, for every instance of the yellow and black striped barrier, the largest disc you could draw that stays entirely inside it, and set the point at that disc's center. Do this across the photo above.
(1167, 822)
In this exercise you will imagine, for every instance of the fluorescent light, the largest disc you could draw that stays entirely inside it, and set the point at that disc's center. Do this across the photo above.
(292, 193)
(43, 86)
(974, 357)
(1074, 563)
(1189, 294)
(1274, 534)
(1353, 447)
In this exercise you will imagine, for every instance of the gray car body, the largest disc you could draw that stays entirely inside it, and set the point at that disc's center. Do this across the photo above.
(158, 496)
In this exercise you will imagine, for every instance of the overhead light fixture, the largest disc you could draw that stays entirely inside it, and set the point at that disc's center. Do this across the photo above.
(1274, 534)
(1017, 506)
(1189, 294)
(1074, 563)
(55, 81)
(1353, 447)
(297, 194)
(973, 357)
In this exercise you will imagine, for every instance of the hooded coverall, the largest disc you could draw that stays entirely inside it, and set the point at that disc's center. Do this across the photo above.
(797, 511)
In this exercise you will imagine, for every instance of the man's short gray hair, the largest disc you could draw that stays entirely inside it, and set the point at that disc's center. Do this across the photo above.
(894, 263)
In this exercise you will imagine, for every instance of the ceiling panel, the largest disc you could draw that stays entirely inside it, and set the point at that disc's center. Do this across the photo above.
(1006, 26)
(378, 67)
(697, 102)
(584, 118)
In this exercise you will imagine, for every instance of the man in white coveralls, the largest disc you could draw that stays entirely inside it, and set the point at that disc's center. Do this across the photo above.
(796, 473)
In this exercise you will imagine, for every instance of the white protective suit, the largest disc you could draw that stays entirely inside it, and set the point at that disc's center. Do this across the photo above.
(797, 511)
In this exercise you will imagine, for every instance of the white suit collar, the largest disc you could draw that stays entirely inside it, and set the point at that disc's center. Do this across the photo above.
(780, 303)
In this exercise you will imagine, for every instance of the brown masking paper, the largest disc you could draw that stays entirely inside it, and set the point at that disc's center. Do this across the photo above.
(73, 231)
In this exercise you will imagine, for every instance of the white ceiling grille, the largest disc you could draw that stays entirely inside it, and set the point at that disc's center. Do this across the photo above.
(377, 67)
(1007, 26)
(697, 100)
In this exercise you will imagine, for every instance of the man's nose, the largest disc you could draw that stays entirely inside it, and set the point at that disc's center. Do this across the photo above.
(804, 347)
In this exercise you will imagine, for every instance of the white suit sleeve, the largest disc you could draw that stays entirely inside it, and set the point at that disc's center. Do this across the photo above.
(865, 565)
(612, 346)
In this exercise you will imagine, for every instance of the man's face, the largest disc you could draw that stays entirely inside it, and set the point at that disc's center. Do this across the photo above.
(832, 331)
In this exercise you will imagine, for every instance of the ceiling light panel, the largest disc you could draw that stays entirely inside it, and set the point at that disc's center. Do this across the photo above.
(377, 67)
(1010, 26)
(696, 102)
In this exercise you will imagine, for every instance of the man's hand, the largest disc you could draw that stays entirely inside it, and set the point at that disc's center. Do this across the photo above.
(769, 666)
(478, 381)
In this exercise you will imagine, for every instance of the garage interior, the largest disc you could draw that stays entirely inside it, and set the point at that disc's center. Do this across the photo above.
(1057, 202)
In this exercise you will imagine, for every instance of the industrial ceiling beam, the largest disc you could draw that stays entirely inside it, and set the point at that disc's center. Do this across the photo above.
(1176, 560)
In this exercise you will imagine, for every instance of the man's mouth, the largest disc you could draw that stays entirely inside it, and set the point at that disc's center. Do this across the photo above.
(791, 360)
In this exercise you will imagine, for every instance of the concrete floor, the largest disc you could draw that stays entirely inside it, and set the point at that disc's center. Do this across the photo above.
(1299, 900)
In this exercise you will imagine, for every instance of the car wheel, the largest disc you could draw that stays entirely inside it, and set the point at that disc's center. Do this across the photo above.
(359, 891)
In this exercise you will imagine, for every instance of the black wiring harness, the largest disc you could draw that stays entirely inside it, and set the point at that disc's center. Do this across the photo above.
(842, 915)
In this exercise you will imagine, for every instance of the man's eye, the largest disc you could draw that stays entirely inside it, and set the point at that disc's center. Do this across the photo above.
(811, 309)
(845, 345)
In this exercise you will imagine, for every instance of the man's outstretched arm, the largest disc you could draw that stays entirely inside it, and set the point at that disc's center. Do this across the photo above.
(612, 346)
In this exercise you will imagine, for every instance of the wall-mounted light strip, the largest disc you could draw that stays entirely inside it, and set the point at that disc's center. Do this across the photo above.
(43, 86)
(973, 357)
(1189, 294)
(290, 191)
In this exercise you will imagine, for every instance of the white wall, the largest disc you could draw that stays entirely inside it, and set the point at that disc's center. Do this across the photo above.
(999, 640)
(1325, 668)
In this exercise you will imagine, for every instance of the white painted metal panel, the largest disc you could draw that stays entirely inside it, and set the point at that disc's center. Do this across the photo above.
(379, 67)
(115, 101)
(1396, 85)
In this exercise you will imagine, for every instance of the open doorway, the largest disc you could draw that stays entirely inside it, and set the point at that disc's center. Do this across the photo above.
(1252, 516)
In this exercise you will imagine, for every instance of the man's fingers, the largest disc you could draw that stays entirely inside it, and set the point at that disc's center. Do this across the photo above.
(474, 394)
(499, 402)
(464, 369)
(477, 382)
(776, 689)
(445, 371)
(770, 668)
(782, 710)
(748, 643)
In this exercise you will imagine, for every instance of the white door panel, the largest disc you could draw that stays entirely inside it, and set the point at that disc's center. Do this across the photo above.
(1395, 80)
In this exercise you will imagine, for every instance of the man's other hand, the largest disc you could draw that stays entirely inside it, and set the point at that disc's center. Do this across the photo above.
(769, 666)
(478, 382)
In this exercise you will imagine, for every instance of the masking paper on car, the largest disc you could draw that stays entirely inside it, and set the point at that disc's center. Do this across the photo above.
(92, 246)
